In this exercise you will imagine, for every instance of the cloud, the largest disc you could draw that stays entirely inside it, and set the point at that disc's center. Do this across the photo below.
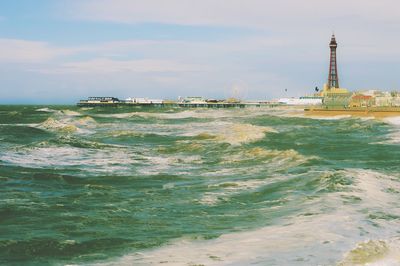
(105, 65)
(261, 14)
(22, 51)
(366, 30)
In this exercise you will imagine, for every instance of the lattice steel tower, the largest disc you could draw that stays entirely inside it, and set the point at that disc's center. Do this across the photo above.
(333, 78)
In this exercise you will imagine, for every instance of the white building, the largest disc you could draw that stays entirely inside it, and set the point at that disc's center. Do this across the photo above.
(306, 100)
(143, 101)
(193, 100)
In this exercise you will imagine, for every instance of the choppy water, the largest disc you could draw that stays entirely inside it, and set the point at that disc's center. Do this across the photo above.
(197, 187)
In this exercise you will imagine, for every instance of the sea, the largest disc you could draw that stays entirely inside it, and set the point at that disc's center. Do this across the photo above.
(175, 186)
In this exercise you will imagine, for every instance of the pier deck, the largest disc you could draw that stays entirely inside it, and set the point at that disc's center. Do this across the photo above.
(178, 104)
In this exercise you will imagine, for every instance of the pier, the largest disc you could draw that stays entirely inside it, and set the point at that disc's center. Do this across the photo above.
(176, 104)
(115, 102)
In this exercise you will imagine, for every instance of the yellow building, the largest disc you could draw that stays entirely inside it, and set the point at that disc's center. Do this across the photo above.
(335, 97)
(332, 92)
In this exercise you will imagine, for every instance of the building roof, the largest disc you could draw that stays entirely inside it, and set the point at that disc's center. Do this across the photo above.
(361, 97)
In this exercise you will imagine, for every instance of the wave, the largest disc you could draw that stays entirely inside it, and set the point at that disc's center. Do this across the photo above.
(251, 162)
(125, 133)
(182, 146)
(237, 134)
(86, 121)
(175, 115)
(81, 143)
(329, 230)
(14, 113)
(394, 136)
(262, 153)
(32, 251)
(196, 114)
(88, 160)
(226, 132)
(374, 253)
(64, 112)
(53, 124)
(120, 115)
(222, 132)
(46, 109)
(227, 189)
(70, 113)
(296, 243)
(69, 125)
(392, 120)
(277, 160)
(177, 164)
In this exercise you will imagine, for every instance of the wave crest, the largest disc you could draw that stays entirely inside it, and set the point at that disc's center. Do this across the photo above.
(373, 252)
(53, 124)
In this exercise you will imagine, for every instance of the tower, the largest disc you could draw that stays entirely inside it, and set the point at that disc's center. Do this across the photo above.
(333, 79)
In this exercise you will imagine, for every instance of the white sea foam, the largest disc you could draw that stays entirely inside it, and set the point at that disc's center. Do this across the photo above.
(232, 133)
(219, 131)
(337, 232)
(173, 164)
(121, 115)
(294, 243)
(169, 186)
(202, 113)
(394, 136)
(65, 112)
(225, 190)
(86, 121)
(274, 160)
(46, 109)
(269, 162)
(392, 120)
(374, 253)
(53, 124)
(216, 113)
(91, 160)
(69, 124)
(70, 113)
(237, 134)
(21, 125)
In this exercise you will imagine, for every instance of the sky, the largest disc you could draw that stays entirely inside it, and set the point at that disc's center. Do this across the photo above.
(62, 51)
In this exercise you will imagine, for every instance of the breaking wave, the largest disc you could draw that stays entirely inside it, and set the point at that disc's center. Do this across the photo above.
(232, 133)
(46, 109)
(324, 232)
(197, 187)
(374, 253)
(53, 124)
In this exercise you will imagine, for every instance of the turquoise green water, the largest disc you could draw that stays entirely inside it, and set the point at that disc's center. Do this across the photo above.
(120, 186)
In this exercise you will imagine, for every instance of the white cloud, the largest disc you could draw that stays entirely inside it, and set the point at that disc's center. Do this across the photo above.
(264, 14)
(367, 29)
(105, 65)
(22, 51)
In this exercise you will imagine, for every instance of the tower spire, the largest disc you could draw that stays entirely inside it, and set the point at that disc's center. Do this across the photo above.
(333, 78)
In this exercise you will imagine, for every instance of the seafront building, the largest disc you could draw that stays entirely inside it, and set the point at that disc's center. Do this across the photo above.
(335, 97)
(332, 94)
(132, 100)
